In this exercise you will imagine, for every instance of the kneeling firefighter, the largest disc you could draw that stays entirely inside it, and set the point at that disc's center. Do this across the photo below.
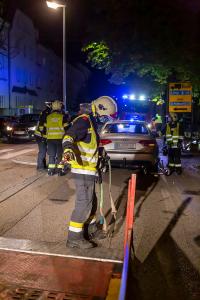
(80, 144)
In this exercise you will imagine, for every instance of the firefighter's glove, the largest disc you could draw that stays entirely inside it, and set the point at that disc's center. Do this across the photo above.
(68, 156)
(43, 140)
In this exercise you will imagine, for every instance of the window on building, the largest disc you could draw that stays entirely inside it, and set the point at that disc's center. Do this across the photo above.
(2, 101)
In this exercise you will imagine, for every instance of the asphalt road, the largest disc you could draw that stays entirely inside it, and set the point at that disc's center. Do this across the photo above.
(166, 261)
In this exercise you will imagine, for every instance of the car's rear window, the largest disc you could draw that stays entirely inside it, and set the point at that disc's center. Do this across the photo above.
(126, 128)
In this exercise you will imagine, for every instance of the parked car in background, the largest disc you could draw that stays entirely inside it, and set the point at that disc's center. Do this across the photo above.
(22, 129)
(4, 120)
(130, 143)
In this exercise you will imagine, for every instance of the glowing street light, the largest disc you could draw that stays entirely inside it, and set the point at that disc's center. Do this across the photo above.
(55, 5)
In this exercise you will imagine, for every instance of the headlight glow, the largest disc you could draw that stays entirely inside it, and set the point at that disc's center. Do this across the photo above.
(149, 125)
(120, 126)
(8, 128)
(32, 128)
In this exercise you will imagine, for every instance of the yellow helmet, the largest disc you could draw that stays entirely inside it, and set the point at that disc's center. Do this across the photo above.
(56, 105)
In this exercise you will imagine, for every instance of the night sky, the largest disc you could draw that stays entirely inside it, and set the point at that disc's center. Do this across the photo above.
(49, 23)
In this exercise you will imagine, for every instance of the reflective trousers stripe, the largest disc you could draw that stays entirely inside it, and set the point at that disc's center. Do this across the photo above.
(60, 166)
(171, 165)
(51, 166)
(75, 226)
(86, 172)
(74, 229)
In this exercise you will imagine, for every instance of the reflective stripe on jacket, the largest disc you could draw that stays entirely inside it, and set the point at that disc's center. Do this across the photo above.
(37, 132)
(54, 126)
(86, 153)
(172, 136)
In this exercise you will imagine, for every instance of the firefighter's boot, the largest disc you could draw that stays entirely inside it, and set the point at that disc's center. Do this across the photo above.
(51, 172)
(61, 172)
(80, 244)
(97, 235)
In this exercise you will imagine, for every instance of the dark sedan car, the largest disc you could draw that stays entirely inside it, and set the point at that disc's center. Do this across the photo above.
(4, 120)
(21, 130)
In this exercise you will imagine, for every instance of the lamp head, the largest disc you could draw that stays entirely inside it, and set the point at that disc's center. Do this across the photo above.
(55, 4)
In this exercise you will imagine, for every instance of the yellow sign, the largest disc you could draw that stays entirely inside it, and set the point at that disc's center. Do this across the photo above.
(180, 97)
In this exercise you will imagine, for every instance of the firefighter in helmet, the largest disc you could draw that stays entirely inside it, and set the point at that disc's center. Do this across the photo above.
(41, 137)
(173, 139)
(80, 144)
(55, 126)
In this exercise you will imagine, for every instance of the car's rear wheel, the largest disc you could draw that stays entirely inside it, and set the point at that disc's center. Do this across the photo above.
(150, 169)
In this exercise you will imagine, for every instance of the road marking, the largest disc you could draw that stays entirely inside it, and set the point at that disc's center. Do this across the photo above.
(10, 155)
(6, 150)
(21, 162)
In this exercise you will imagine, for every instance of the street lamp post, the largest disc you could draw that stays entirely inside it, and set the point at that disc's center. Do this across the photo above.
(55, 5)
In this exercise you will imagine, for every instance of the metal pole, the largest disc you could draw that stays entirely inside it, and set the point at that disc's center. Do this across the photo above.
(9, 71)
(64, 60)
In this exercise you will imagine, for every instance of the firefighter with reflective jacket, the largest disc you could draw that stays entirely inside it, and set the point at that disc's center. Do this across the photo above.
(55, 126)
(80, 146)
(41, 138)
(158, 124)
(173, 138)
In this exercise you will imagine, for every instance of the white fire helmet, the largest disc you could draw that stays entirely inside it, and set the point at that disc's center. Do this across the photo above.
(104, 106)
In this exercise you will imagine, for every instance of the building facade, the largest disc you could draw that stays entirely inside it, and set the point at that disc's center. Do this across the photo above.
(30, 73)
(35, 71)
(4, 62)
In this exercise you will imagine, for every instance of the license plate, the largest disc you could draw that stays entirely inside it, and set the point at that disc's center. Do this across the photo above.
(125, 146)
(19, 132)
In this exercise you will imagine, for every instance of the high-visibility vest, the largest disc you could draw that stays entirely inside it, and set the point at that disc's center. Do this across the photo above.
(158, 119)
(54, 126)
(173, 136)
(86, 153)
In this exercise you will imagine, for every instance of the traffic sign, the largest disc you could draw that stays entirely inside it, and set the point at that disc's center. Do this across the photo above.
(180, 97)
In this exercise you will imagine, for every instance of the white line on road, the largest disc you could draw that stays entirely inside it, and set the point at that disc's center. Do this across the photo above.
(21, 162)
(6, 150)
(10, 155)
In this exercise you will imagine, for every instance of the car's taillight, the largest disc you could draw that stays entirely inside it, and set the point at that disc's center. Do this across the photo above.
(147, 143)
(104, 142)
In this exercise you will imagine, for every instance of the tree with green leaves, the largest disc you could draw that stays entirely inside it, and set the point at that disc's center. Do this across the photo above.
(155, 40)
